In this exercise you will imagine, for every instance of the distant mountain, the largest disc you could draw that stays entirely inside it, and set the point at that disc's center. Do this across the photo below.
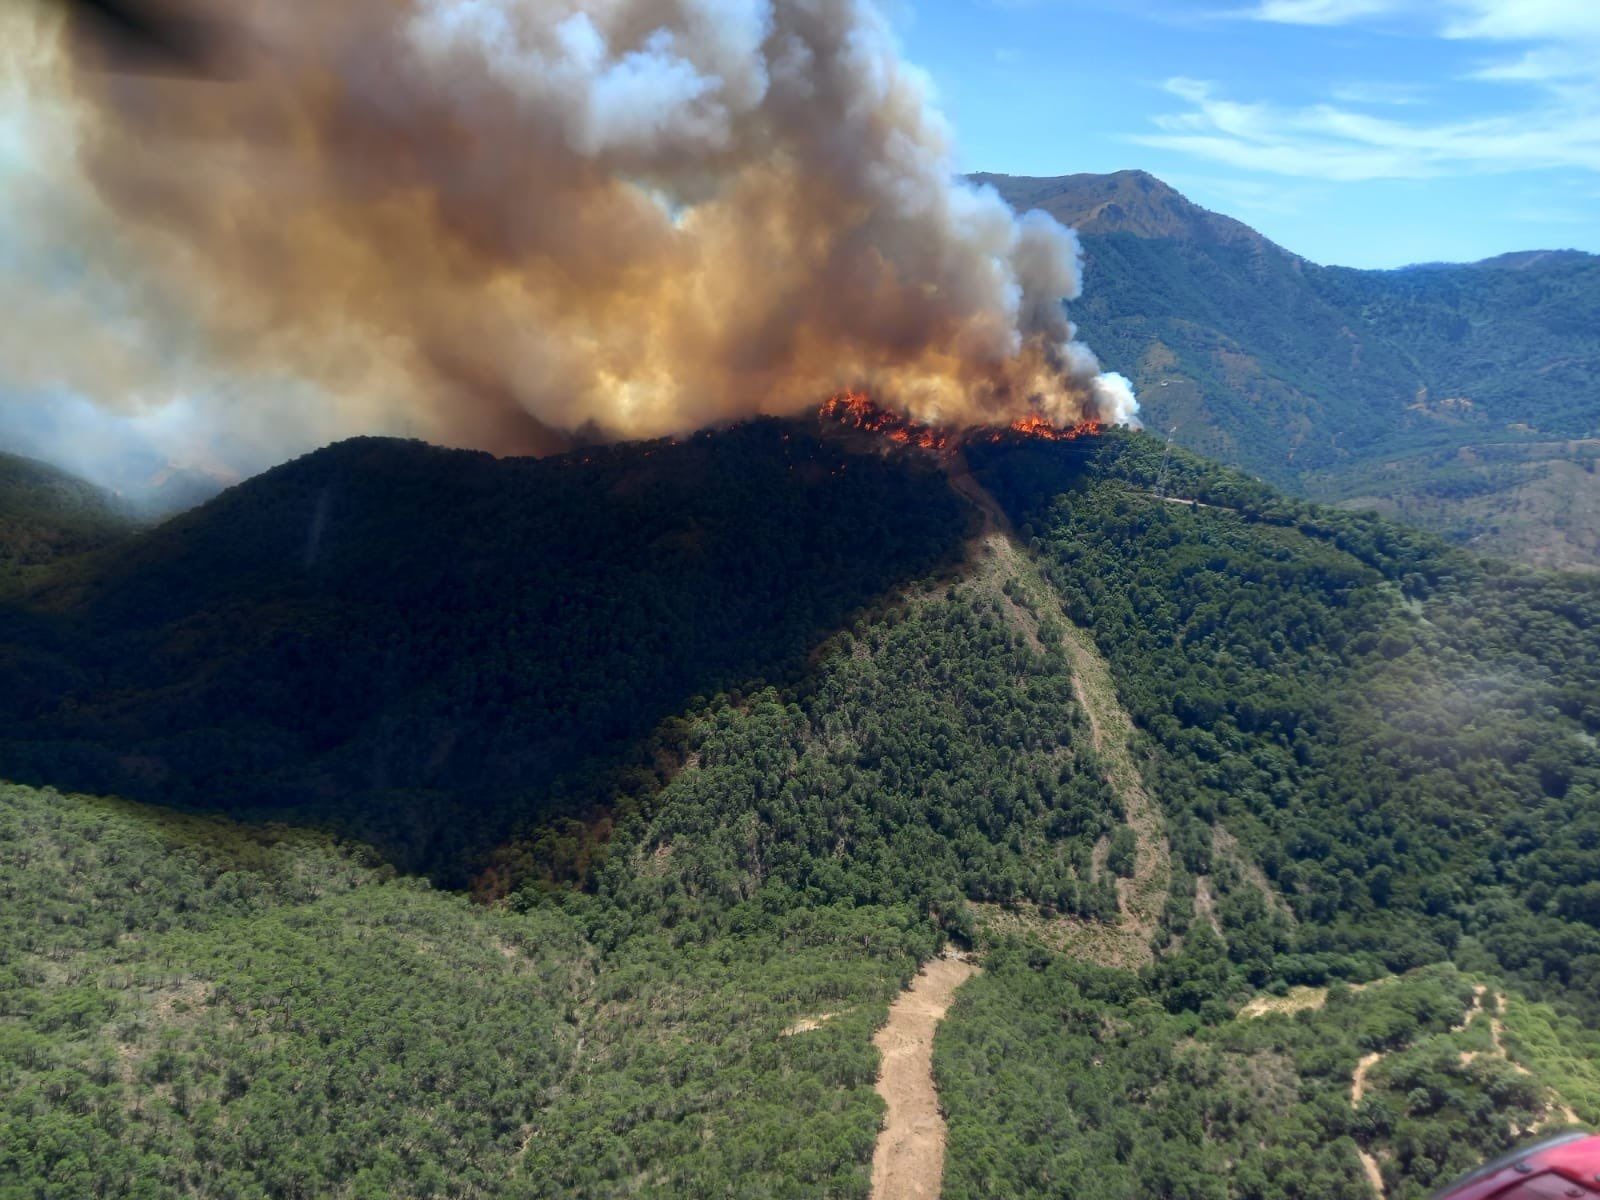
(171, 490)
(1134, 202)
(46, 513)
(108, 450)
(1515, 260)
(1465, 398)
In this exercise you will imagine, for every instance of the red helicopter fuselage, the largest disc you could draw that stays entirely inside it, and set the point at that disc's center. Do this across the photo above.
(1563, 1168)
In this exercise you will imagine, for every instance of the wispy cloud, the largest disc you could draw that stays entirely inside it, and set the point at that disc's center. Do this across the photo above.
(1319, 12)
(1375, 92)
(1342, 140)
(1524, 20)
(1500, 20)
(1545, 65)
(1326, 141)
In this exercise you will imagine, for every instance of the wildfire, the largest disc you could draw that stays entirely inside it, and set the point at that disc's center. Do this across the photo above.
(1038, 427)
(859, 411)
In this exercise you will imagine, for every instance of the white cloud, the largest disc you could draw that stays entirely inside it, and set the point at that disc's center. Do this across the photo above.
(1524, 20)
(1325, 141)
(1340, 141)
(1319, 12)
(1494, 20)
(1545, 65)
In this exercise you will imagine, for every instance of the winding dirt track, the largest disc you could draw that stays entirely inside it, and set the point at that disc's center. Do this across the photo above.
(908, 1163)
(1358, 1089)
(1556, 1111)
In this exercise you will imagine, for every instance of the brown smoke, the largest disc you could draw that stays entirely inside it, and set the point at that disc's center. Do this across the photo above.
(509, 220)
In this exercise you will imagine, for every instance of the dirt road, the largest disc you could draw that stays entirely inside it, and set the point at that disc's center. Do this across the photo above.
(1358, 1089)
(908, 1163)
(1358, 1081)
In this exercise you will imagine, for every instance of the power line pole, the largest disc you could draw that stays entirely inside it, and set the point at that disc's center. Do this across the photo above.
(1161, 483)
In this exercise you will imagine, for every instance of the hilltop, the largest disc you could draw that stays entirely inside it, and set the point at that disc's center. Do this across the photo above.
(47, 513)
(1131, 202)
(1226, 792)
(1457, 397)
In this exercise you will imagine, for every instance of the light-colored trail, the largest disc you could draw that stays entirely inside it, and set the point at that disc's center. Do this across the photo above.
(1374, 1172)
(1358, 1089)
(1556, 1111)
(1358, 1081)
(1111, 731)
(908, 1163)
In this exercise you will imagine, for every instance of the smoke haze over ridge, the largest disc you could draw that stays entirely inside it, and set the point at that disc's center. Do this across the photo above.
(502, 222)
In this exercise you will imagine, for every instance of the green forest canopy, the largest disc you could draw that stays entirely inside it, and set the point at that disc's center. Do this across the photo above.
(1375, 757)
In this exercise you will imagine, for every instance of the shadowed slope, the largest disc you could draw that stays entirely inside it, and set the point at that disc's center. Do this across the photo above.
(420, 644)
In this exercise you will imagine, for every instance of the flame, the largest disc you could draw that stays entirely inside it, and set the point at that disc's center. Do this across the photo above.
(1038, 427)
(860, 411)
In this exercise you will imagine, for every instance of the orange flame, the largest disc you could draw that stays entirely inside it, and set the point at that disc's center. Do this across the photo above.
(857, 410)
(1038, 427)
(860, 411)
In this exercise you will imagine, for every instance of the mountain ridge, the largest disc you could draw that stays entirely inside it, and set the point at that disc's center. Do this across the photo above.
(1131, 201)
(1139, 202)
(1388, 388)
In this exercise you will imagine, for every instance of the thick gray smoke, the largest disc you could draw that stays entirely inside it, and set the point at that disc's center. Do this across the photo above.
(501, 221)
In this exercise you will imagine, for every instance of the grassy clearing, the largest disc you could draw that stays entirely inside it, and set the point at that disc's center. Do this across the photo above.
(1298, 999)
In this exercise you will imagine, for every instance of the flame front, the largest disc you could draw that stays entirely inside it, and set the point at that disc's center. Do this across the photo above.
(1038, 427)
(860, 411)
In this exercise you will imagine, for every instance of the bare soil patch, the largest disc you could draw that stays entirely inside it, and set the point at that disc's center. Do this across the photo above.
(1298, 999)
(808, 1024)
(908, 1163)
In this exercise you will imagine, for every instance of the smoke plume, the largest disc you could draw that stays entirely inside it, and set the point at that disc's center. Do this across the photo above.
(500, 222)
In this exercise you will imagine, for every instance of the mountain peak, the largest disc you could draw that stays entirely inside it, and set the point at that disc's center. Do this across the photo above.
(1134, 202)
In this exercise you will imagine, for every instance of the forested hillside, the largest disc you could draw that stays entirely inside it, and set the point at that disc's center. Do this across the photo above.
(1327, 908)
(1462, 398)
(420, 645)
(46, 514)
(1403, 738)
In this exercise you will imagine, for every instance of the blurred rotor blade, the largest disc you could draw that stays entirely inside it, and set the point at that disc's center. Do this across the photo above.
(151, 37)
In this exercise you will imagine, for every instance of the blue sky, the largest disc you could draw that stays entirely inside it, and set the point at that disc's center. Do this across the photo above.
(1369, 133)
